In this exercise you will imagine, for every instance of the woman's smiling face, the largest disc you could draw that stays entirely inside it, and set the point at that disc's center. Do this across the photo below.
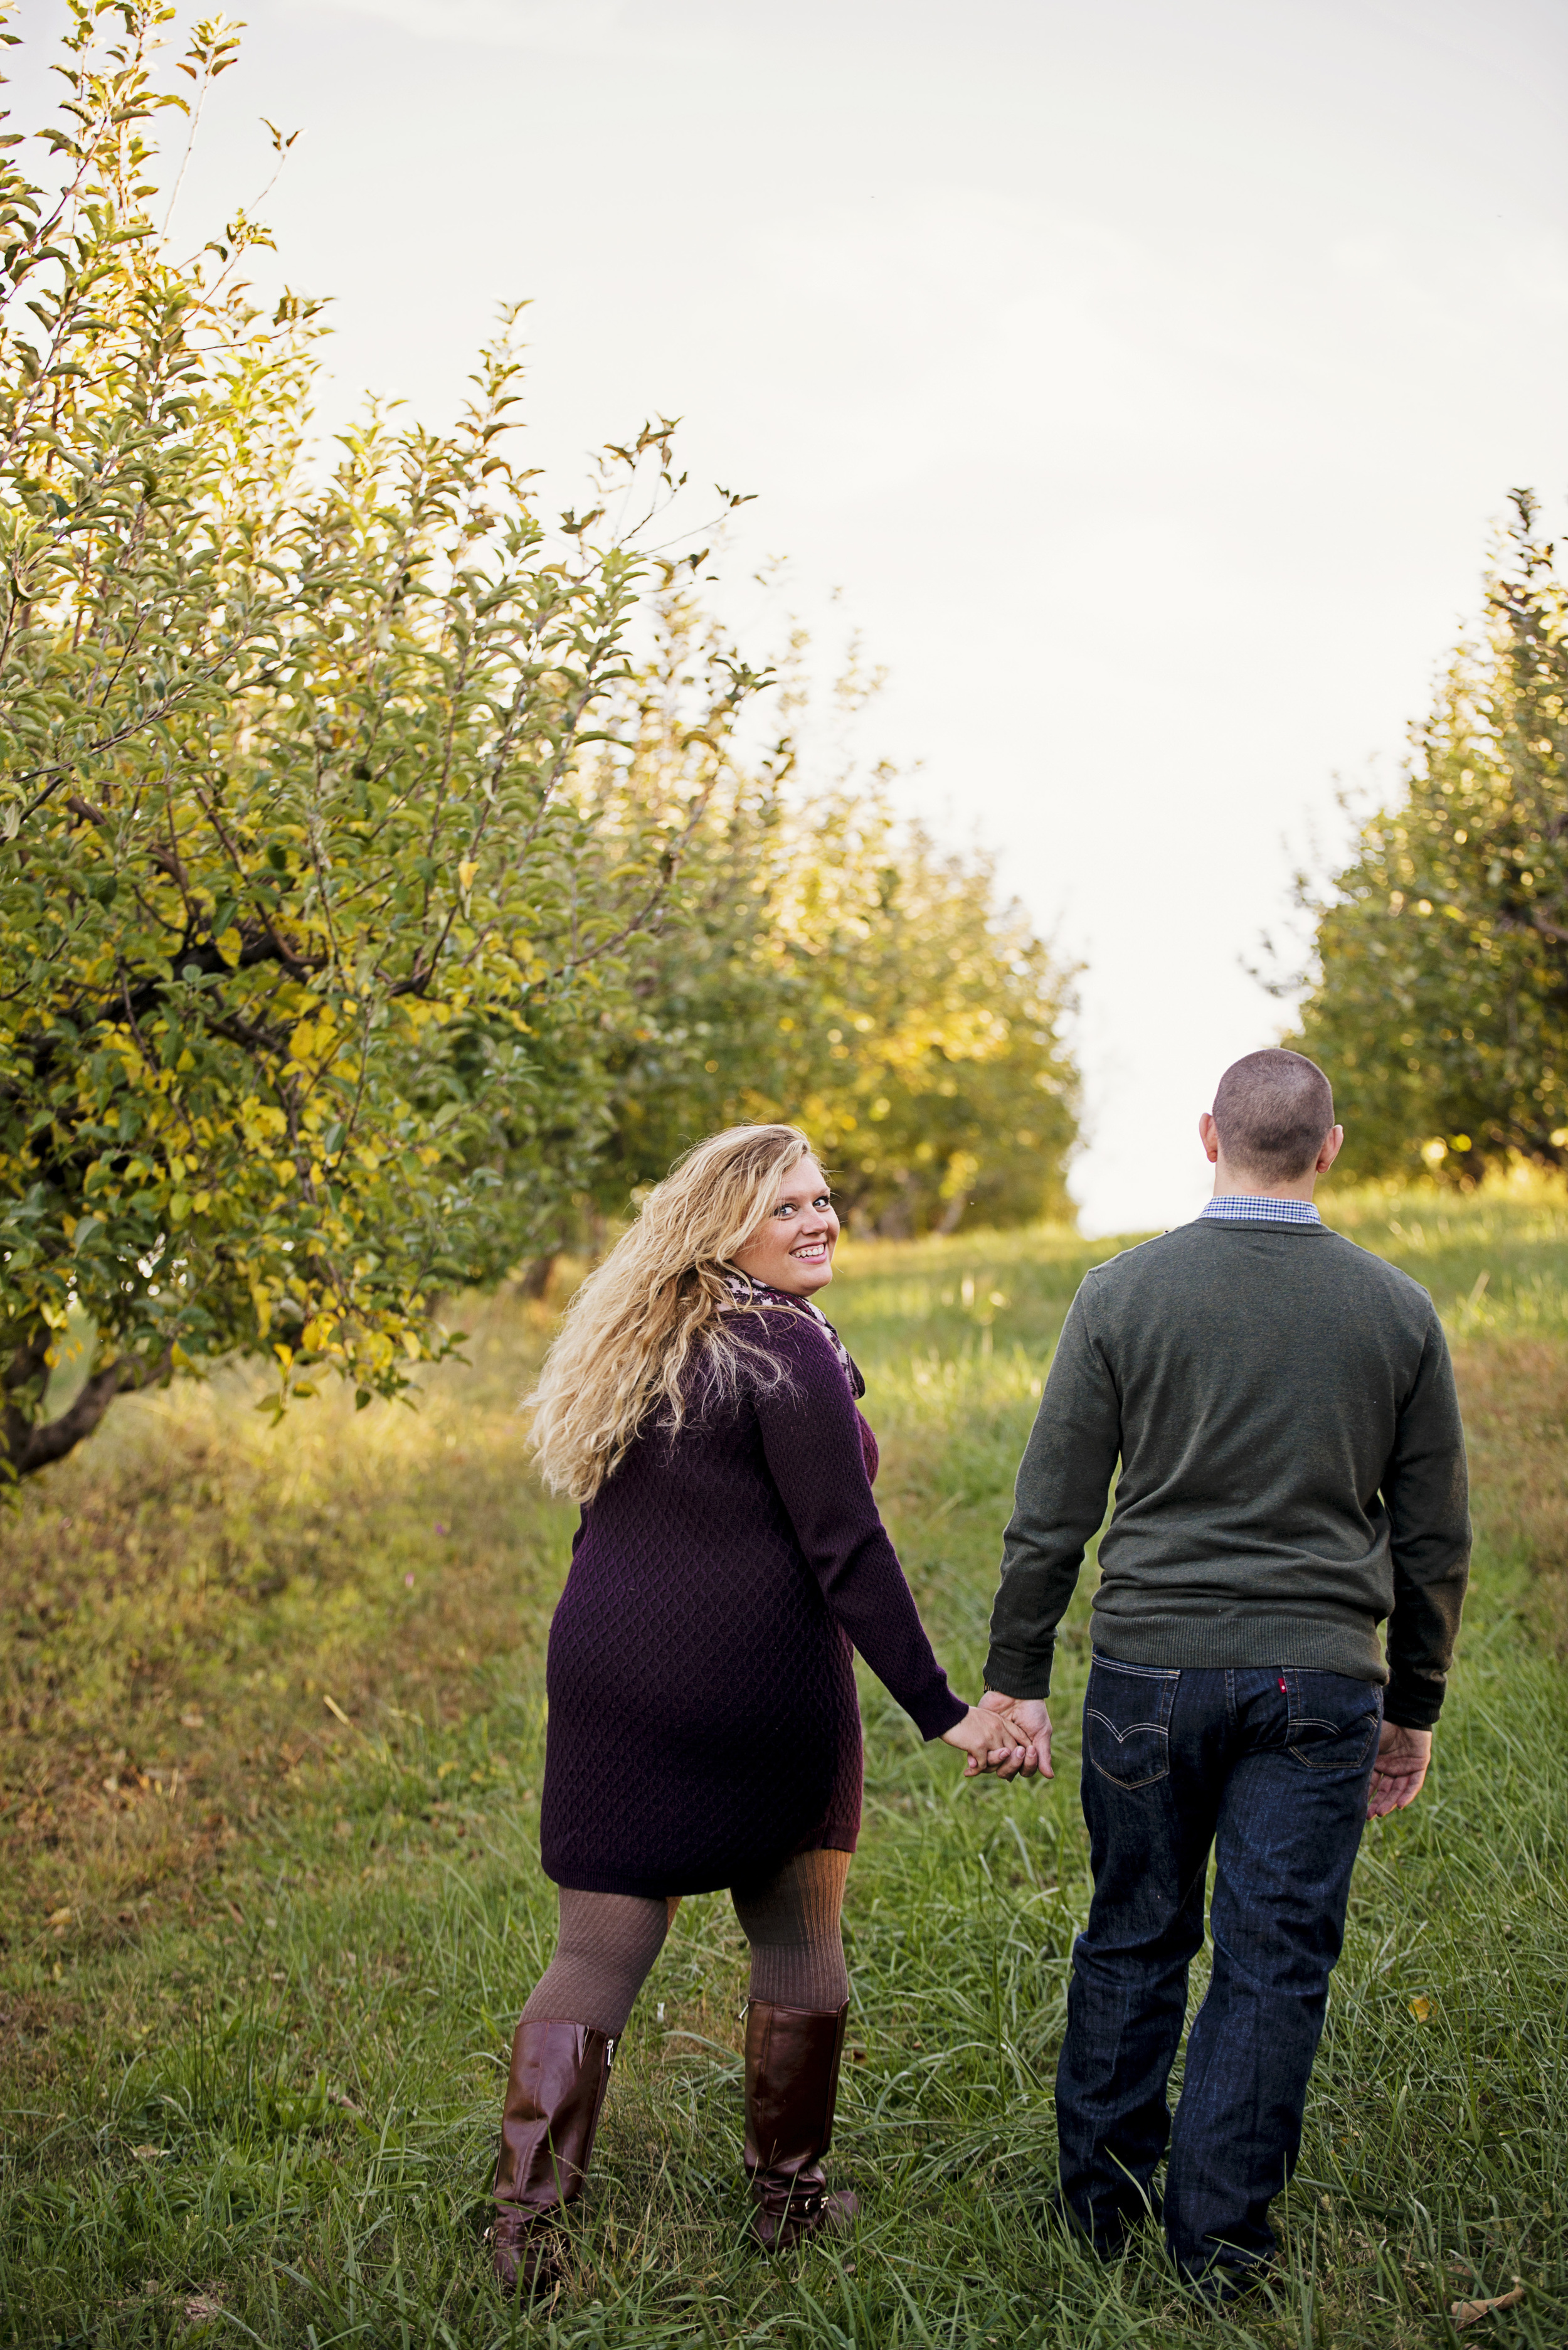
(793, 1248)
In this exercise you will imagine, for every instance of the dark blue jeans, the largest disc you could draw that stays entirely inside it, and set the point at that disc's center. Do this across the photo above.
(1269, 1766)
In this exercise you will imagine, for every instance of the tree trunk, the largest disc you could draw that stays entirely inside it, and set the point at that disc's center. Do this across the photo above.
(29, 1444)
(896, 1221)
(536, 1276)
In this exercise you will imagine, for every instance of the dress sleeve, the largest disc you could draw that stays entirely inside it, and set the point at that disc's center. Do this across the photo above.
(812, 1440)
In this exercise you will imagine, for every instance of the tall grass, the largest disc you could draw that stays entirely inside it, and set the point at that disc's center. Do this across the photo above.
(252, 2075)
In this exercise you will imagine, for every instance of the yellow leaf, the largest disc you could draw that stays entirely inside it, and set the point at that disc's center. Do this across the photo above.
(1421, 2008)
(410, 1345)
(59, 1917)
(466, 873)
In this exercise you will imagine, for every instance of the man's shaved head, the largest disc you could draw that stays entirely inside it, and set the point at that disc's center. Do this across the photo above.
(1273, 1111)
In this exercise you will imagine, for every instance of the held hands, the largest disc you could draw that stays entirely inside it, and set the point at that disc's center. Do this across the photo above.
(1400, 1767)
(990, 1744)
(1028, 1718)
(1011, 1736)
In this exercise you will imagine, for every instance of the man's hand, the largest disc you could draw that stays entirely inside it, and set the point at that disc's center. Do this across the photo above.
(990, 1744)
(1401, 1766)
(1028, 1717)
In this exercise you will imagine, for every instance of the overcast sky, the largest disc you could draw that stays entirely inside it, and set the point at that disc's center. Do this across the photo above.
(1147, 375)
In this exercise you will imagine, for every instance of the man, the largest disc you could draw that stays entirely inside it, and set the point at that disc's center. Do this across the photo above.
(1292, 1473)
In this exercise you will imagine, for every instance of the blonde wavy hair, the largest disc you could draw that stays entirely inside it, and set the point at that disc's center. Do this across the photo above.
(660, 1301)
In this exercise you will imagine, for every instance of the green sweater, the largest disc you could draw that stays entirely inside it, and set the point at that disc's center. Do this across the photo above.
(1292, 1468)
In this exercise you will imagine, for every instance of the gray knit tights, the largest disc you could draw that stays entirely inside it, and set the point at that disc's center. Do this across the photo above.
(609, 1940)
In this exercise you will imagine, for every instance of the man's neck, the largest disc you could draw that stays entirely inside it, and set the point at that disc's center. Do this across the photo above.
(1228, 1185)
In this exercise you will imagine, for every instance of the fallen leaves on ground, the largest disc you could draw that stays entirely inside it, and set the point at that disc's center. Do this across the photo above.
(1466, 2313)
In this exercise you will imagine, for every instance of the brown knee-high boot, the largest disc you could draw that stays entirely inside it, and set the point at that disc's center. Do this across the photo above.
(792, 2086)
(559, 2072)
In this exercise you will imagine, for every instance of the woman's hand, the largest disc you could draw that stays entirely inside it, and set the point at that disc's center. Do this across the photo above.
(992, 1742)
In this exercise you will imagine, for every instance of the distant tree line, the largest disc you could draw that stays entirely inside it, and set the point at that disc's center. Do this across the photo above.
(819, 960)
(1438, 1000)
(385, 893)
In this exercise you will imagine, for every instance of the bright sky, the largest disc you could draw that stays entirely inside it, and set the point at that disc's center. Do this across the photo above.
(1148, 376)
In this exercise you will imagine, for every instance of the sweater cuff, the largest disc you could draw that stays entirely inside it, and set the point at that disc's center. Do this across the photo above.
(1018, 1674)
(937, 1711)
(1414, 1704)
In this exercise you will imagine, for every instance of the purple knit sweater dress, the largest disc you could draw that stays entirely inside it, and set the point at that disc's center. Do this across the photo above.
(703, 1724)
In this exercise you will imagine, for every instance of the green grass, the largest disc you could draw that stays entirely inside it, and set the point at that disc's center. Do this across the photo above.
(252, 2078)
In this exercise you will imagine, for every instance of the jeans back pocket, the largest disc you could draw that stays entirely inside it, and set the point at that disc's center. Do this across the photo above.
(1333, 1722)
(1127, 1722)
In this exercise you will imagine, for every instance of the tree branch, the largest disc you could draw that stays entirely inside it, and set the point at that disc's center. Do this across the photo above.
(32, 1445)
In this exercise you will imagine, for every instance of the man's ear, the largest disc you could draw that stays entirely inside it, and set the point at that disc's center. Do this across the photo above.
(1333, 1142)
(1208, 1135)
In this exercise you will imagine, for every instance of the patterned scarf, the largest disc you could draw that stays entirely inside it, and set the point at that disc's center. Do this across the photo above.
(747, 1292)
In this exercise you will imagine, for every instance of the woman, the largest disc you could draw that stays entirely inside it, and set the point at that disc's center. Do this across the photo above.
(704, 1725)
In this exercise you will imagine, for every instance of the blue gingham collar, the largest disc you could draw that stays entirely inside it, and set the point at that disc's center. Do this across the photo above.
(1259, 1208)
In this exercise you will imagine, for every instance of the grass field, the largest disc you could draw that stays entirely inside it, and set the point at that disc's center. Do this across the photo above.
(271, 1744)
